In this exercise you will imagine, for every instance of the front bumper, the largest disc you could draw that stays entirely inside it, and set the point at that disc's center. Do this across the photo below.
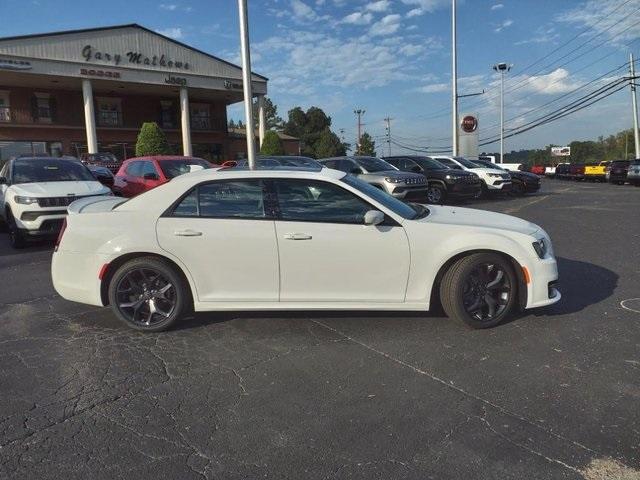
(501, 185)
(410, 193)
(460, 189)
(531, 187)
(617, 177)
(542, 289)
(40, 222)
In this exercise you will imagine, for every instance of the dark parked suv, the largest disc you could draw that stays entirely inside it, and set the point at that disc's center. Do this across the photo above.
(444, 182)
(617, 170)
(105, 159)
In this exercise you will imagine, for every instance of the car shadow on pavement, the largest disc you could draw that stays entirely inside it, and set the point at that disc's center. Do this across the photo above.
(582, 284)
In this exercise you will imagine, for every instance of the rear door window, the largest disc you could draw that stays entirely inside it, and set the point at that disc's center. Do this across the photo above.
(242, 199)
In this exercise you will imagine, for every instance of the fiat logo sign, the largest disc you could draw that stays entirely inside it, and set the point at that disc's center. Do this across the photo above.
(469, 124)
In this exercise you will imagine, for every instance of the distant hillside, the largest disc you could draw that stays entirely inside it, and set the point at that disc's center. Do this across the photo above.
(614, 147)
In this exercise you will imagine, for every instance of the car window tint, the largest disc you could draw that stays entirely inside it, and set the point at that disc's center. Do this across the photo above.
(147, 167)
(232, 199)
(134, 169)
(188, 207)
(317, 201)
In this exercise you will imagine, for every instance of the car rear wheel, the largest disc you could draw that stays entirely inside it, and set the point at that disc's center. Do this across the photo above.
(480, 290)
(16, 237)
(148, 294)
(436, 194)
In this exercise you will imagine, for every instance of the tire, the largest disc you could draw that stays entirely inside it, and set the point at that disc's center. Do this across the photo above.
(484, 191)
(16, 237)
(145, 284)
(464, 287)
(518, 189)
(436, 194)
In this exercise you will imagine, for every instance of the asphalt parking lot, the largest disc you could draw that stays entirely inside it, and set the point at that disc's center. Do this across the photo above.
(555, 393)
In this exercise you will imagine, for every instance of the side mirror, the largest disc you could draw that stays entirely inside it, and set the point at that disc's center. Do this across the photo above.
(373, 217)
(356, 170)
(151, 176)
(3, 180)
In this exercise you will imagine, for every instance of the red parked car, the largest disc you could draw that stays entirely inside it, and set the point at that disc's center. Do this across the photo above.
(137, 175)
(537, 169)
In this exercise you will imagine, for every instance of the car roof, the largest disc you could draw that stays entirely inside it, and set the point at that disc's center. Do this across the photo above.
(46, 159)
(267, 172)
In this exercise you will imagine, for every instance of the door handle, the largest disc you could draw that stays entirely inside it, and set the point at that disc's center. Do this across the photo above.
(297, 236)
(187, 233)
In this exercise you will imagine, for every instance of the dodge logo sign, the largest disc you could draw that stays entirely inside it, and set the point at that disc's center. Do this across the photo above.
(469, 124)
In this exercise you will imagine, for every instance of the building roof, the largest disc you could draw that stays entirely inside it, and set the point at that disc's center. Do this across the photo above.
(128, 25)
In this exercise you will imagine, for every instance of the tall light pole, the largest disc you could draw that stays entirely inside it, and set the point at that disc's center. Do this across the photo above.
(359, 112)
(502, 68)
(634, 105)
(246, 83)
(454, 79)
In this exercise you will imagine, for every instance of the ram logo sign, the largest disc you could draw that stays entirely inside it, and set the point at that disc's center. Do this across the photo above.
(560, 151)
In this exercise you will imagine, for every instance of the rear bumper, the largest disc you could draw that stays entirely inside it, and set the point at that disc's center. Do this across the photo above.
(617, 177)
(75, 276)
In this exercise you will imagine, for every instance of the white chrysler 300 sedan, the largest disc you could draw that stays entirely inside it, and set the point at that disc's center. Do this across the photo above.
(296, 239)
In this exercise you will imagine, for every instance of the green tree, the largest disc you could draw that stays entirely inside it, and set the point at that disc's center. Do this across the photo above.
(232, 124)
(272, 120)
(151, 141)
(329, 145)
(367, 145)
(313, 128)
(272, 144)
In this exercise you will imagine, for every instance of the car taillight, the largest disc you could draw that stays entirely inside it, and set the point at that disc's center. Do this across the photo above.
(59, 239)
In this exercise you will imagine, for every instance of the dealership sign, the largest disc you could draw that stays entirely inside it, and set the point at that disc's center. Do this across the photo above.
(469, 124)
(560, 151)
(136, 58)
(8, 64)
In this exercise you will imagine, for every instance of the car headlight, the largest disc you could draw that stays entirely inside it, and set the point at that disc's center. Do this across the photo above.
(541, 247)
(25, 200)
(394, 180)
(451, 177)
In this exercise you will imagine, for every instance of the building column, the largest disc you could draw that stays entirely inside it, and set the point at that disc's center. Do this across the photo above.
(261, 119)
(185, 123)
(89, 117)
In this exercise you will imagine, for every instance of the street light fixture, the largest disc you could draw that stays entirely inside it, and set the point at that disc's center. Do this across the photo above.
(502, 68)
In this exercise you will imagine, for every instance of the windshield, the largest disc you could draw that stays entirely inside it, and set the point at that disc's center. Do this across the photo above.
(393, 204)
(49, 170)
(489, 164)
(429, 163)
(103, 158)
(373, 164)
(174, 168)
(468, 163)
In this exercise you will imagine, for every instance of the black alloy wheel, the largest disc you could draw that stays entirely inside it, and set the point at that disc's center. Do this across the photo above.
(436, 194)
(148, 294)
(481, 290)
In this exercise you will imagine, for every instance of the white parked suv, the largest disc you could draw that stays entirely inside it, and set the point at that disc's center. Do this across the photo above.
(303, 239)
(493, 180)
(35, 193)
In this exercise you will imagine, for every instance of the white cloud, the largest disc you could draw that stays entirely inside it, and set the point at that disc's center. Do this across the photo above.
(551, 83)
(425, 6)
(386, 25)
(378, 6)
(608, 18)
(168, 6)
(497, 6)
(358, 18)
(414, 12)
(507, 23)
(435, 88)
(302, 11)
(172, 32)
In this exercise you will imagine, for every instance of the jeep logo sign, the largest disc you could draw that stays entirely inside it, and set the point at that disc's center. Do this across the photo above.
(469, 124)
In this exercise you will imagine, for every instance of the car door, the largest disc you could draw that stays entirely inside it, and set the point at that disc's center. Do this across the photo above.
(326, 252)
(226, 238)
(127, 183)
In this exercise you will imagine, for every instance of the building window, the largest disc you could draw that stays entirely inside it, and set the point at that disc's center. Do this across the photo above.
(200, 116)
(11, 148)
(5, 111)
(109, 112)
(42, 108)
(168, 114)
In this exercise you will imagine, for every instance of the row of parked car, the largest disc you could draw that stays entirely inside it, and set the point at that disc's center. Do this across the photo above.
(618, 172)
(35, 191)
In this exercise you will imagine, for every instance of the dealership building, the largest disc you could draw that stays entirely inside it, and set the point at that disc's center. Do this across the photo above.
(88, 91)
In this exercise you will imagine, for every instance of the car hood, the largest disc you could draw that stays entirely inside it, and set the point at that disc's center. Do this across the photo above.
(60, 189)
(395, 174)
(487, 170)
(470, 217)
(525, 176)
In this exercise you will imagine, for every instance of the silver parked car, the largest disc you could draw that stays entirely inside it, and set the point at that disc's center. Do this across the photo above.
(633, 174)
(377, 172)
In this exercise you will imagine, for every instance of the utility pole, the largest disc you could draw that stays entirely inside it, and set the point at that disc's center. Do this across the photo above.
(387, 122)
(454, 79)
(359, 112)
(634, 105)
(246, 83)
(502, 68)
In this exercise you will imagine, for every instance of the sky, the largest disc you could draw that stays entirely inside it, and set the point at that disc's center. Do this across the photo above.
(392, 58)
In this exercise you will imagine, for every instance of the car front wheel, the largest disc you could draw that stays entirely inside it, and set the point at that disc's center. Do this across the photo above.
(436, 194)
(148, 294)
(480, 290)
(16, 237)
